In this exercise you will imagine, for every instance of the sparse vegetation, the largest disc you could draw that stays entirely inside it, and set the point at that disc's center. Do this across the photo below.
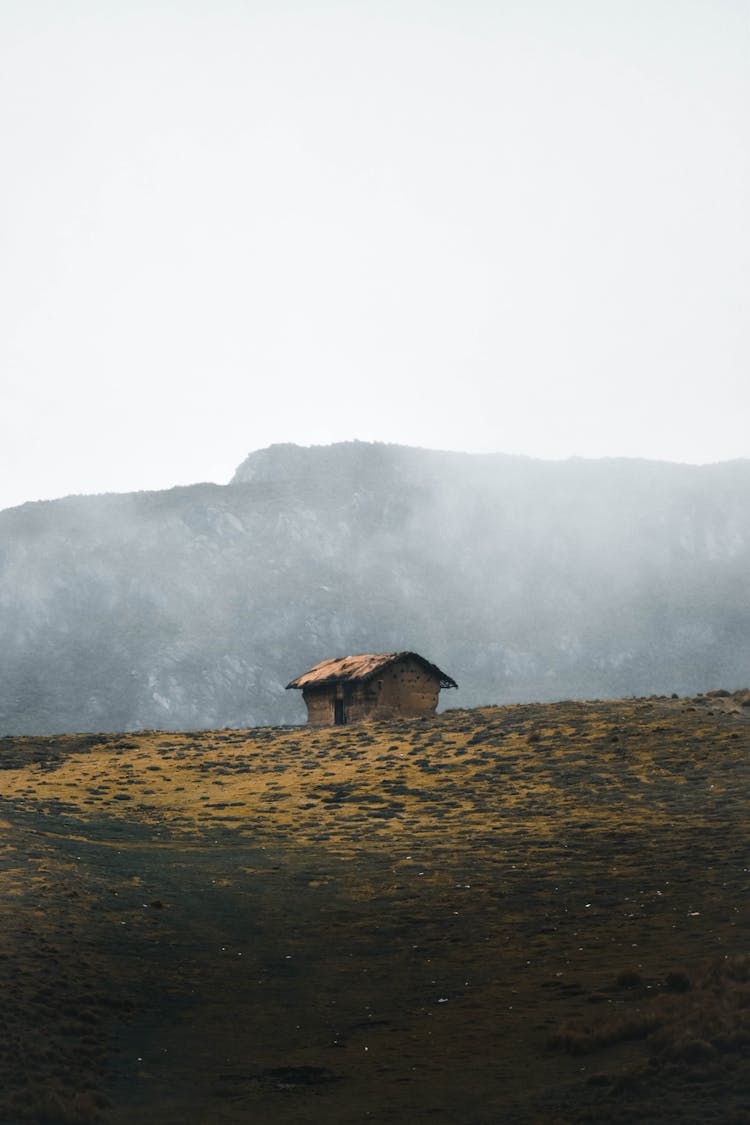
(539, 923)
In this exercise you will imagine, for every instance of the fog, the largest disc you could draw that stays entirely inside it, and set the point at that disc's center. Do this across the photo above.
(516, 227)
(522, 579)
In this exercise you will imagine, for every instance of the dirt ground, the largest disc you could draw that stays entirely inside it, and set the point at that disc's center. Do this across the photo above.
(529, 914)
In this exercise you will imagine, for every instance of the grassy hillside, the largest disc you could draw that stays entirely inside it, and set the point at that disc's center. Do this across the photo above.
(535, 913)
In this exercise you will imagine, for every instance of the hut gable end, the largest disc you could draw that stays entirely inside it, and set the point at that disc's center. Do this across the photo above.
(371, 686)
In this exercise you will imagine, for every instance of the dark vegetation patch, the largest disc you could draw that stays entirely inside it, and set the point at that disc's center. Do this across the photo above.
(19, 752)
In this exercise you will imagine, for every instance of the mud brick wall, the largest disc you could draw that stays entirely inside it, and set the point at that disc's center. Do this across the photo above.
(404, 688)
(319, 704)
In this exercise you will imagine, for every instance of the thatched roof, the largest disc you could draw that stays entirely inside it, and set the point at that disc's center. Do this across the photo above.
(350, 669)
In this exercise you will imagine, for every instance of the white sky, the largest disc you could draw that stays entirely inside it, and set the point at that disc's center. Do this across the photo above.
(518, 225)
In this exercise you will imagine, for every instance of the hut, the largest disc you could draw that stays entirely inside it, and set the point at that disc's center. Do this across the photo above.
(350, 689)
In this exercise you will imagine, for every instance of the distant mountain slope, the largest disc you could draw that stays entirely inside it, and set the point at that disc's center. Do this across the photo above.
(523, 579)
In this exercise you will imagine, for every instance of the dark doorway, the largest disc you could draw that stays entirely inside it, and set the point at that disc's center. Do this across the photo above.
(339, 717)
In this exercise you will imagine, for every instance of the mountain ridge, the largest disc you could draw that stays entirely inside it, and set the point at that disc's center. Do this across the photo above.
(524, 579)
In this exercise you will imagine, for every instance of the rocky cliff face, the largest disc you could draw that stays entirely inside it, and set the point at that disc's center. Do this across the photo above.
(522, 579)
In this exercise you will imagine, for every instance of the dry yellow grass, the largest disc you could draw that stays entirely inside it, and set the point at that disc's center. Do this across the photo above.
(379, 923)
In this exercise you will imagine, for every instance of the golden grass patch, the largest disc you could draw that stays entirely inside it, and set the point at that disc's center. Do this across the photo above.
(292, 924)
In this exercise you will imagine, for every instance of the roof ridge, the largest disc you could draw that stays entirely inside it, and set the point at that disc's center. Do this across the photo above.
(361, 666)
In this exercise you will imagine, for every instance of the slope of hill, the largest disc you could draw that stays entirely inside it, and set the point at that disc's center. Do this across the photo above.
(523, 579)
(527, 914)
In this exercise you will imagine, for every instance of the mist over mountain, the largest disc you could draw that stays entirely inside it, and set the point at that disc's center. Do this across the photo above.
(523, 579)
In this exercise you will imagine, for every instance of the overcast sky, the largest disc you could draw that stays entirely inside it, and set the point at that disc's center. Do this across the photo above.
(518, 225)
